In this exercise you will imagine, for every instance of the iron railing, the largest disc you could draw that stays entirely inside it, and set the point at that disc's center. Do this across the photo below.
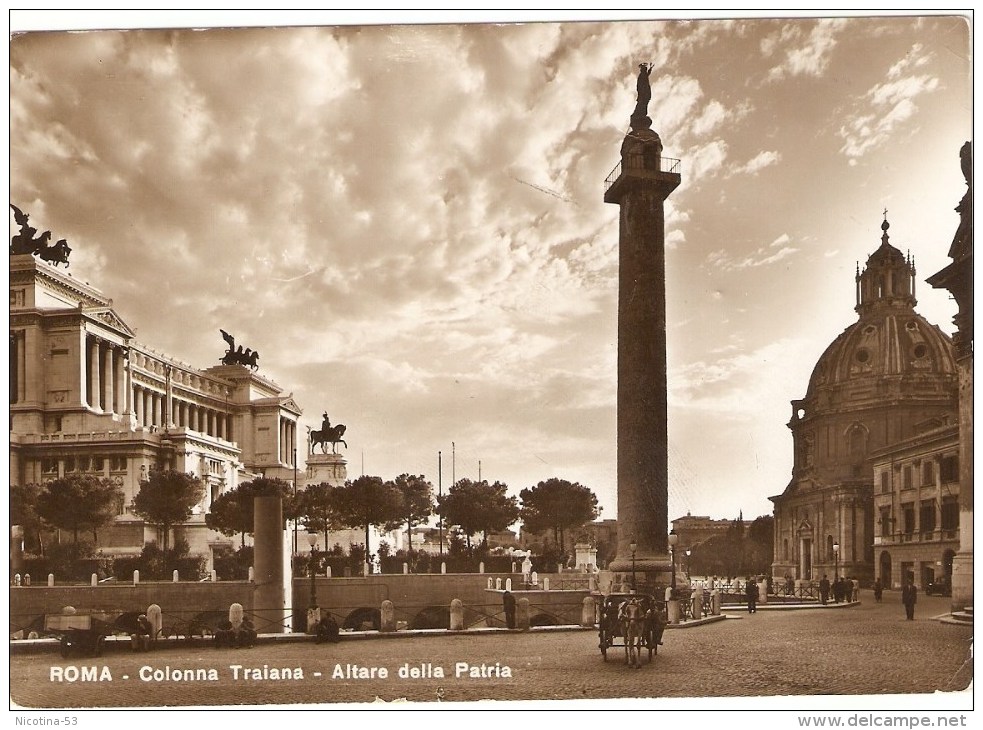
(641, 162)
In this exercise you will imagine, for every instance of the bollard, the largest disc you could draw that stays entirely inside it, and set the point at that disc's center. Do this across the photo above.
(513, 566)
(328, 571)
(559, 567)
(673, 611)
(156, 620)
(443, 568)
(508, 584)
(94, 580)
(174, 577)
(136, 577)
(213, 576)
(498, 584)
(522, 614)
(588, 612)
(27, 579)
(546, 584)
(491, 583)
(763, 591)
(715, 597)
(406, 568)
(252, 574)
(51, 580)
(534, 578)
(481, 567)
(17, 579)
(235, 615)
(365, 570)
(388, 617)
(457, 615)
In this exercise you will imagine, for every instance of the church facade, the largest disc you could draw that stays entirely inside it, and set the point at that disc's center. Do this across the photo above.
(888, 379)
(86, 397)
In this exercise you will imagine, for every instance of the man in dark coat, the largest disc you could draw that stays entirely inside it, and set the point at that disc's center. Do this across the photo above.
(824, 590)
(751, 591)
(909, 596)
(508, 601)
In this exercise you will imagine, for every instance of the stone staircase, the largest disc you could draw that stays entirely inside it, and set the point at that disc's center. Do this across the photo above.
(960, 617)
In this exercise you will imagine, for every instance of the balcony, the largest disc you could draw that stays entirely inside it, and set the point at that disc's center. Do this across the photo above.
(642, 164)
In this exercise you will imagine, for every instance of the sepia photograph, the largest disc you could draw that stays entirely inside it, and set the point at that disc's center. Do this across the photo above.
(508, 360)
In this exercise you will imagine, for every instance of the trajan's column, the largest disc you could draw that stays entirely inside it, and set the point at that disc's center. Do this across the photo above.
(640, 184)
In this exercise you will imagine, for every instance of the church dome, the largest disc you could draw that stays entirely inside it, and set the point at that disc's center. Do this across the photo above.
(890, 339)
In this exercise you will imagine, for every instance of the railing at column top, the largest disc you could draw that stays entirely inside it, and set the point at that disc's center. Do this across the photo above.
(639, 162)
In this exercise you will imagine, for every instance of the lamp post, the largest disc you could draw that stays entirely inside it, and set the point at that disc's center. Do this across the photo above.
(836, 561)
(312, 540)
(673, 539)
(633, 546)
(688, 553)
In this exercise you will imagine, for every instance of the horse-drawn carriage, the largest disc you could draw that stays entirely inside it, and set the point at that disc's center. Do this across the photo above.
(637, 619)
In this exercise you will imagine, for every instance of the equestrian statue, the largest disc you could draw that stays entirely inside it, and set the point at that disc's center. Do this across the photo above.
(327, 434)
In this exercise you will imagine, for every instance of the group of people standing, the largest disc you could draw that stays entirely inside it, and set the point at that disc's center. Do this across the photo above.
(842, 590)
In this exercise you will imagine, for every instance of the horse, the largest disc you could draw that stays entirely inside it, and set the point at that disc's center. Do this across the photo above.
(632, 620)
(331, 436)
(57, 254)
(250, 359)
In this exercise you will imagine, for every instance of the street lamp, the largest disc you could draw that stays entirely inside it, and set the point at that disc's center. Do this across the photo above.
(673, 539)
(312, 540)
(688, 553)
(633, 546)
(836, 560)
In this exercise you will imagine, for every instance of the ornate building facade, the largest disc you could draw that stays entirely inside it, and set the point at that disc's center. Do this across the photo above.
(86, 397)
(887, 378)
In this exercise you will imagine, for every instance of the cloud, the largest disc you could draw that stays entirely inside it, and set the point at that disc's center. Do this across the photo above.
(763, 159)
(804, 55)
(886, 107)
(777, 250)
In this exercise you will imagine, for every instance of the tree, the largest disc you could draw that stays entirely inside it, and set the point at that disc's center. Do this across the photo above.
(558, 505)
(368, 502)
(233, 512)
(761, 543)
(478, 507)
(166, 498)
(416, 501)
(317, 507)
(79, 502)
(24, 512)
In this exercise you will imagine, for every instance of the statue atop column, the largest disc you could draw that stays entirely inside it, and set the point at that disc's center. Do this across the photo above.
(640, 118)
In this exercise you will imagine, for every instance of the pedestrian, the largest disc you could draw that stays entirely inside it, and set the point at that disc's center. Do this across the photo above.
(751, 592)
(327, 630)
(856, 589)
(837, 589)
(789, 585)
(909, 596)
(878, 590)
(508, 600)
(824, 590)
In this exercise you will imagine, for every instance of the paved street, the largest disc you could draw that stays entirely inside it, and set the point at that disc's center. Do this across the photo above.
(867, 649)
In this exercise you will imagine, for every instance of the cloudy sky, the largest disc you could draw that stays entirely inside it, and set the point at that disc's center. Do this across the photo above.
(407, 221)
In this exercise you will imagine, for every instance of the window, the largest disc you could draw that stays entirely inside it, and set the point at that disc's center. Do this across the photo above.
(908, 518)
(885, 522)
(950, 513)
(908, 481)
(70, 465)
(927, 516)
(949, 469)
(117, 463)
(49, 466)
(928, 473)
(885, 481)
